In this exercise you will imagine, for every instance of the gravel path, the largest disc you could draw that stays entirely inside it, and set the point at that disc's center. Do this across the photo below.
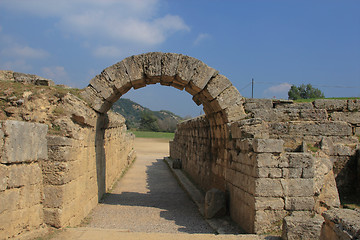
(148, 198)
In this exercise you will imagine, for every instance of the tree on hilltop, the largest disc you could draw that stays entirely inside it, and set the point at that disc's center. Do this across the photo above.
(304, 92)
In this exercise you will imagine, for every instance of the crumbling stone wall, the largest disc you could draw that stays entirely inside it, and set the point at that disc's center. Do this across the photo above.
(22, 148)
(282, 159)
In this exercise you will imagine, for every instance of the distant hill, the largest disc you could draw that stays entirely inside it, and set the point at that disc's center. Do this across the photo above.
(142, 118)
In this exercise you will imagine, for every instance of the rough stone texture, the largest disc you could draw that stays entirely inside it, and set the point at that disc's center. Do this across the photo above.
(215, 203)
(179, 71)
(20, 140)
(302, 227)
(21, 189)
(341, 224)
(331, 104)
(25, 78)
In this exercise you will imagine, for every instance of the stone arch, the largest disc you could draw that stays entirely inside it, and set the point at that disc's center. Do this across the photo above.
(222, 103)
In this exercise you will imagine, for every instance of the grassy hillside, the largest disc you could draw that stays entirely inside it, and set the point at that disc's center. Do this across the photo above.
(134, 114)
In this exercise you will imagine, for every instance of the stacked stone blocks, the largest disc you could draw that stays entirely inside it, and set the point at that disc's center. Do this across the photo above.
(22, 148)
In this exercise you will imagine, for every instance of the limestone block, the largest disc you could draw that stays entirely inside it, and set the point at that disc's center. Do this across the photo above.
(215, 86)
(79, 111)
(268, 145)
(327, 145)
(295, 187)
(202, 75)
(341, 223)
(103, 87)
(24, 174)
(185, 71)
(350, 117)
(268, 220)
(9, 200)
(135, 70)
(301, 227)
(305, 105)
(268, 187)
(114, 120)
(335, 128)
(118, 75)
(269, 203)
(53, 140)
(215, 203)
(152, 67)
(234, 113)
(4, 172)
(308, 172)
(353, 105)
(299, 203)
(253, 103)
(169, 64)
(343, 150)
(297, 160)
(266, 160)
(292, 172)
(229, 97)
(23, 142)
(314, 114)
(331, 104)
(266, 172)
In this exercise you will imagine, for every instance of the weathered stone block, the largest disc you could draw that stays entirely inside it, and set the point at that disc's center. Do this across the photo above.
(254, 103)
(334, 128)
(299, 203)
(24, 174)
(305, 105)
(4, 172)
(169, 64)
(350, 117)
(292, 172)
(266, 172)
(298, 187)
(268, 220)
(268, 145)
(185, 71)
(341, 224)
(297, 160)
(353, 105)
(302, 227)
(267, 187)
(24, 142)
(269, 203)
(266, 160)
(135, 70)
(215, 203)
(201, 77)
(152, 67)
(215, 86)
(331, 104)
(103, 87)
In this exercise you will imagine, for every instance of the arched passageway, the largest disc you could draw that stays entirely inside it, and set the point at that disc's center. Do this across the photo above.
(222, 103)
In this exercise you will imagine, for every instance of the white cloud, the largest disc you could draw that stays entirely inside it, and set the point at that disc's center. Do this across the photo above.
(16, 65)
(18, 51)
(201, 37)
(56, 73)
(107, 51)
(112, 21)
(280, 91)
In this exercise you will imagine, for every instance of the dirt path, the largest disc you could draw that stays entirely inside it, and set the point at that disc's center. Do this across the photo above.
(148, 198)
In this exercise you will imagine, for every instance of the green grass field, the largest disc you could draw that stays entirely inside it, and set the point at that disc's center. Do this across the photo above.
(142, 134)
(313, 99)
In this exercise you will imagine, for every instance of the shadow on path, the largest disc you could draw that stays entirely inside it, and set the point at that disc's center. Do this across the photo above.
(165, 194)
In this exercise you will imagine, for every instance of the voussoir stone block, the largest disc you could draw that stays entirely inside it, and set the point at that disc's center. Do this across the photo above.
(135, 68)
(23, 142)
(185, 71)
(268, 145)
(169, 65)
(215, 86)
(118, 75)
(302, 227)
(152, 67)
(202, 75)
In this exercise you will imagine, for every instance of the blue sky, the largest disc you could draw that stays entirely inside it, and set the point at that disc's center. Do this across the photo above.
(276, 42)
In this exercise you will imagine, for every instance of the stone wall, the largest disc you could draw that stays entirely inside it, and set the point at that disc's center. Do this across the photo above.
(22, 148)
(281, 160)
(80, 169)
(58, 179)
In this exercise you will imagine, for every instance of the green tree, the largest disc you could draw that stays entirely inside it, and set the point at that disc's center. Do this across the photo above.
(304, 92)
(148, 122)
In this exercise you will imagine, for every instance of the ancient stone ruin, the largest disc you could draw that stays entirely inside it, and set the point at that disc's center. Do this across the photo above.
(282, 165)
